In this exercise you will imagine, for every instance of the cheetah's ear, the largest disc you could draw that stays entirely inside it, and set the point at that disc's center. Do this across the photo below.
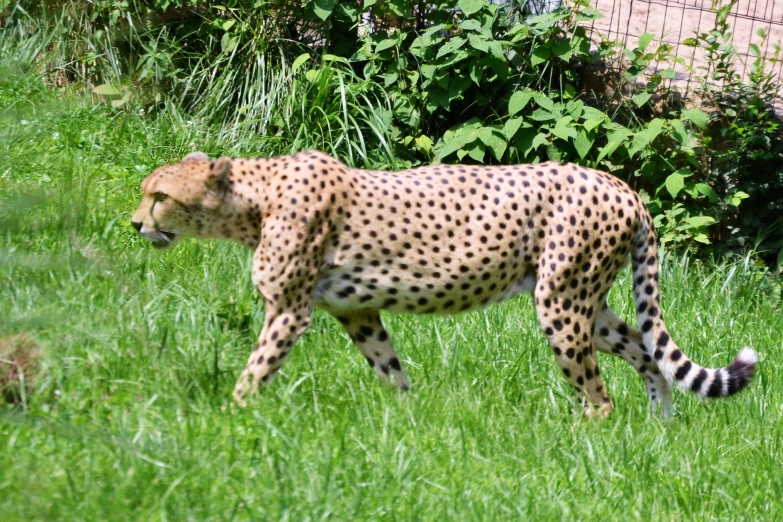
(196, 156)
(218, 179)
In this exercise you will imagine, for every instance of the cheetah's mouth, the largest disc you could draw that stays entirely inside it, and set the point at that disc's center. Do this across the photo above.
(163, 239)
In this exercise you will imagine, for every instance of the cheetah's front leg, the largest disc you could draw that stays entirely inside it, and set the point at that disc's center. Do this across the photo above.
(280, 332)
(284, 273)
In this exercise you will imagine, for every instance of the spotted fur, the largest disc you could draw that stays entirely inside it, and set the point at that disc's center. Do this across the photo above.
(436, 240)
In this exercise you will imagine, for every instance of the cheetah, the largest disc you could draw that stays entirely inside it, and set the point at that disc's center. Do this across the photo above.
(441, 239)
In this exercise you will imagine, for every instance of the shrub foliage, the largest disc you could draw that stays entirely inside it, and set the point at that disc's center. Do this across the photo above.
(405, 82)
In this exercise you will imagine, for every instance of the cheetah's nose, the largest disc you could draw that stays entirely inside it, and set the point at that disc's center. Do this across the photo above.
(136, 225)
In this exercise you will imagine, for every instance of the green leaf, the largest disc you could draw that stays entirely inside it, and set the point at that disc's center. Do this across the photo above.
(554, 153)
(699, 221)
(540, 139)
(300, 60)
(470, 25)
(312, 75)
(122, 101)
(107, 90)
(586, 14)
(385, 44)
(542, 115)
(641, 98)
(437, 98)
(228, 43)
(470, 6)
(458, 136)
(706, 190)
(574, 108)
(334, 58)
(511, 127)
(323, 8)
(592, 124)
(644, 41)
(518, 101)
(457, 87)
(674, 183)
(424, 143)
(476, 72)
(496, 49)
(591, 113)
(369, 3)
(540, 55)
(646, 136)
(736, 198)
(680, 132)
(455, 57)
(442, 80)
(399, 7)
(545, 103)
(779, 262)
(563, 128)
(697, 116)
(477, 152)
(584, 142)
(494, 140)
(433, 31)
(478, 43)
(562, 49)
(616, 138)
(450, 46)
(523, 140)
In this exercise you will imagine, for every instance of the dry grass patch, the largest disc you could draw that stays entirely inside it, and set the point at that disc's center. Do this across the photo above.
(19, 364)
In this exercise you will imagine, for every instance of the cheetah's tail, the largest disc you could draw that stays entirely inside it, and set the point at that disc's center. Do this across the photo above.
(675, 366)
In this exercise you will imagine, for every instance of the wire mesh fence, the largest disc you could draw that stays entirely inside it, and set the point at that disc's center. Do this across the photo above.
(675, 21)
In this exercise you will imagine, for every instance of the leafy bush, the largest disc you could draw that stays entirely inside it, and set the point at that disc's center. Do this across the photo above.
(743, 138)
(405, 82)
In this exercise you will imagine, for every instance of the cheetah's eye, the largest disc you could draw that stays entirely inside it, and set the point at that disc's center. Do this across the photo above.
(159, 196)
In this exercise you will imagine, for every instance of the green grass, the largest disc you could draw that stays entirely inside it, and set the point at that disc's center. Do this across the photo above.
(127, 420)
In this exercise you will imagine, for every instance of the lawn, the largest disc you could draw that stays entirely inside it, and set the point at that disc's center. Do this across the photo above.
(129, 419)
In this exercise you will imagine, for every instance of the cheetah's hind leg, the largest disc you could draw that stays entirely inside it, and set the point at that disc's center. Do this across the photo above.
(569, 336)
(615, 337)
(369, 335)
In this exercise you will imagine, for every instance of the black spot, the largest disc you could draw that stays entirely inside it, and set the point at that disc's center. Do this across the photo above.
(699, 380)
(716, 388)
(683, 370)
(366, 331)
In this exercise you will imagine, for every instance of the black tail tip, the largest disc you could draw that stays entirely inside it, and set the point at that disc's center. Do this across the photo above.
(741, 370)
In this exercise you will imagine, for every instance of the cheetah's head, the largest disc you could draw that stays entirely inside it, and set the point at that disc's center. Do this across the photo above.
(182, 200)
